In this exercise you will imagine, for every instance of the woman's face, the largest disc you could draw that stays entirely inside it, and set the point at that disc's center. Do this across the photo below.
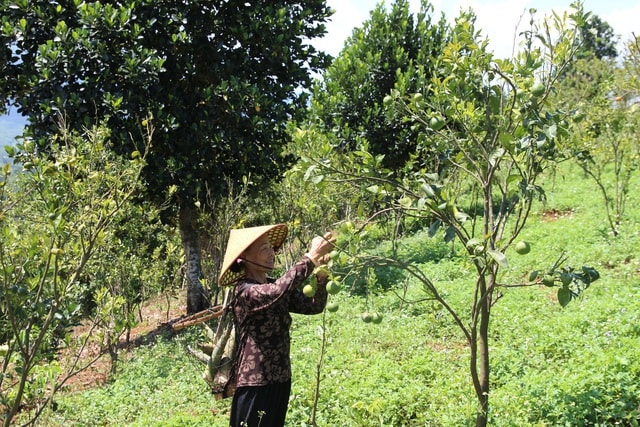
(260, 252)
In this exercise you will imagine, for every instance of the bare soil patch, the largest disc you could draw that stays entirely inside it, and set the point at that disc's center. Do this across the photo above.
(556, 214)
(156, 317)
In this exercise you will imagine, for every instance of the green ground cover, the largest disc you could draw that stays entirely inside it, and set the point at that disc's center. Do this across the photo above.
(551, 366)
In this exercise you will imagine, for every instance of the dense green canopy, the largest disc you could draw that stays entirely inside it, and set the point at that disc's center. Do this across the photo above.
(214, 81)
(219, 78)
(393, 50)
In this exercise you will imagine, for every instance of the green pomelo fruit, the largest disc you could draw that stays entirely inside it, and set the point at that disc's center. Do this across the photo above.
(523, 247)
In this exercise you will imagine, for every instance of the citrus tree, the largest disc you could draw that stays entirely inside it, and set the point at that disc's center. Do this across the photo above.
(393, 45)
(605, 137)
(599, 88)
(491, 123)
(219, 78)
(632, 67)
(56, 218)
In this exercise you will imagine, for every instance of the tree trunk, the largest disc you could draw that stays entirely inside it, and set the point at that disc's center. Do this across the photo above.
(197, 296)
(484, 289)
(479, 346)
(483, 360)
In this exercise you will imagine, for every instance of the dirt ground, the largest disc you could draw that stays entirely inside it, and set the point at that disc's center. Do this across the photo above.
(156, 317)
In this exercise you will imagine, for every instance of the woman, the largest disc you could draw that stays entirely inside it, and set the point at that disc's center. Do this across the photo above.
(262, 308)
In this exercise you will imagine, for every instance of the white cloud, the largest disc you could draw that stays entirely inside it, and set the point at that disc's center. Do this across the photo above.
(499, 20)
(348, 14)
(624, 21)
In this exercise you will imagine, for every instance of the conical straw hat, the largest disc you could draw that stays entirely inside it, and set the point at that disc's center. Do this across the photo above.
(240, 239)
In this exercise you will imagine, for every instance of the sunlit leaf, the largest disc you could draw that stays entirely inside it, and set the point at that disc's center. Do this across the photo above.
(498, 257)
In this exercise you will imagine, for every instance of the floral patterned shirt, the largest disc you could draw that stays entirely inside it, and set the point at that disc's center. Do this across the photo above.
(262, 314)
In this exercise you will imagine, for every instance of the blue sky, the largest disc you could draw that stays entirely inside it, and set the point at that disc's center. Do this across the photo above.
(10, 126)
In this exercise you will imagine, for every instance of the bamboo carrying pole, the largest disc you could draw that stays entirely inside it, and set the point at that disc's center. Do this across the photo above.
(199, 317)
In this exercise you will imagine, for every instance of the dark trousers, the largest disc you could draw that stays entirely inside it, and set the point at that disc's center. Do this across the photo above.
(264, 406)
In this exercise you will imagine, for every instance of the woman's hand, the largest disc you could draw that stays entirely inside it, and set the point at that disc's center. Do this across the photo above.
(320, 248)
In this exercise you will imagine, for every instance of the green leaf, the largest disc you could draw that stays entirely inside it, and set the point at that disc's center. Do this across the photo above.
(496, 156)
(421, 203)
(309, 172)
(505, 138)
(474, 241)
(428, 190)
(405, 202)
(460, 216)
(498, 257)
(450, 234)
(433, 229)
(564, 296)
(513, 178)
(373, 189)
(551, 131)
(591, 274)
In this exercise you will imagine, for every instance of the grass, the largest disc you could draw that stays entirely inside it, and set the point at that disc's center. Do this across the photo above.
(551, 366)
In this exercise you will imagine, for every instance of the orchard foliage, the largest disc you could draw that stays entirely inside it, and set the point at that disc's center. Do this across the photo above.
(597, 36)
(214, 76)
(391, 50)
(415, 126)
(220, 80)
(492, 125)
(602, 96)
(58, 222)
